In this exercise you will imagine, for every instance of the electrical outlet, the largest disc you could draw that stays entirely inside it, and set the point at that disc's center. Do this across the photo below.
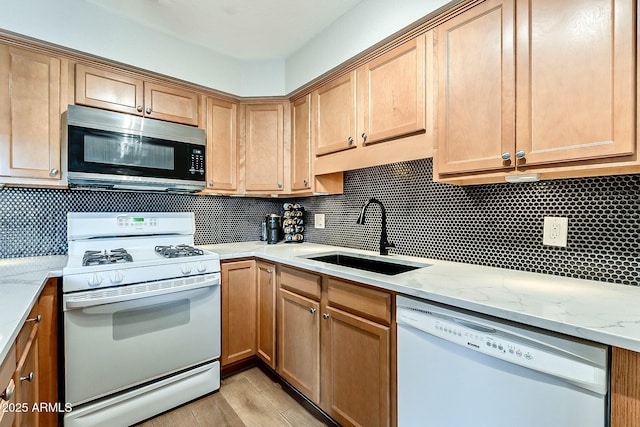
(555, 231)
(318, 221)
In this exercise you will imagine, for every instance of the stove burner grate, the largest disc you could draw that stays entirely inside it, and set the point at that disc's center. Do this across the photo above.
(113, 256)
(178, 251)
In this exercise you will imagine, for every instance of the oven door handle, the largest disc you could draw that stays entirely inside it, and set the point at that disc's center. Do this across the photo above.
(143, 290)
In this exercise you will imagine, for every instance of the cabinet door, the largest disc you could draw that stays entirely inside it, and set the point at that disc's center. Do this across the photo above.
(476, 80)
(238, 311)
(48, 350)
(391, 93)
(266, 313)
(576, 80)
(625, 388)
(111, 91)
(334, 115)
(299, 343)
(301, 144)
(357, 370)
(170, 103)
(27, 379)
(264, 147)
(222, 155)
(30, 108)
(7, 387)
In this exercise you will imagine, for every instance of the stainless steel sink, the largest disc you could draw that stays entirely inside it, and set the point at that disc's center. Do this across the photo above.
(389, 267)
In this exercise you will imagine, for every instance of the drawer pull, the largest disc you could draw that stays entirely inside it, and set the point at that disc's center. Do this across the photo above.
(7, 394)
(36, 319)
(29, 377)
(325, 316)
(312, 310)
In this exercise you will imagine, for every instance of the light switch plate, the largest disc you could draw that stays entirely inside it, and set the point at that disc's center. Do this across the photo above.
(318, 221)
(555, 231)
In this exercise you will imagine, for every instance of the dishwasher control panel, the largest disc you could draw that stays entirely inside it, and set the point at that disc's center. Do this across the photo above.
(486, 337)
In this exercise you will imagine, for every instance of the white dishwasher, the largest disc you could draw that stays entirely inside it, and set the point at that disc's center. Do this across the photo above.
(456, 369)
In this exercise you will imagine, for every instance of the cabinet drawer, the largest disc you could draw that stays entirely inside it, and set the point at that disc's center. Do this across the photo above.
(369, 303)
(301, 282)
(6, 373)
(27, 327)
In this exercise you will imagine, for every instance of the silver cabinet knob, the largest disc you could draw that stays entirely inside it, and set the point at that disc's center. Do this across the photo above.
(279, 185)
(520, 154)
(306, 182)
(7, 394)
(506, 156)
(148, 110)
(350, 141)
(325, 316)
(210, 183)
(36, 319)
(139, 108)
(312, 310)
(29, 377)
(269, 271)
(53, 172)
(364, 137)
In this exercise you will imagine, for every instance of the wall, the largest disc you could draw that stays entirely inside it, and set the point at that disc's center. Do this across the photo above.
(497, 225)
(33, 221)
(83, 26)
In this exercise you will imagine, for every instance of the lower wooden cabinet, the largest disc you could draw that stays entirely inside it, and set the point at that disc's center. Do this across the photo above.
(27, 380)
(335, 346)
(625, 388)
(266, 315)
(7, 389)
(238, 296)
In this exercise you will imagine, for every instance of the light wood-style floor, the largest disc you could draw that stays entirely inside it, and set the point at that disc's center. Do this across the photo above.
(249, 398)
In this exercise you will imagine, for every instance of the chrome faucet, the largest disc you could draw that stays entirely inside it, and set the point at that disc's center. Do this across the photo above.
(384, 242)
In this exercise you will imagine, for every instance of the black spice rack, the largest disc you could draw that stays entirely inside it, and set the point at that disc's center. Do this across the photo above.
(293, 223)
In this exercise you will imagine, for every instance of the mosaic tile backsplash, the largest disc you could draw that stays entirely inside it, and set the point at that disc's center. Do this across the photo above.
(496, 225)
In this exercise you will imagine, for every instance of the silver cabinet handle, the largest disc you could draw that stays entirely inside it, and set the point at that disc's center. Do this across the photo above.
(279, 185)
(148, 110)
(36, 319)
(325, 316)
(139, 108)
(306, 182)
(506, 156)
(269, 271)
(29, 377)
(520, 154)
(364, 137)
(350, 141)
(7, 394)
(312, 310)
(53, 172)
(210, 183)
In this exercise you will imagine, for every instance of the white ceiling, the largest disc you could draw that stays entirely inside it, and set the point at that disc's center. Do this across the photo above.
(249, 30)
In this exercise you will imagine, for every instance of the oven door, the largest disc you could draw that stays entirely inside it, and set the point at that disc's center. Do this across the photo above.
(120, 338)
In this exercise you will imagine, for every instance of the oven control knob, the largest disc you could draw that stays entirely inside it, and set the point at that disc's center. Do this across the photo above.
(202, 267)
(95, 280)
(117, 277)
(185, 268)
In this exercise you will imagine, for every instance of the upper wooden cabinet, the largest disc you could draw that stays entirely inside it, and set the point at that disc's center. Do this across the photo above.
(574, 100)
(301, 144)
(129, 94)
(334, 111)
(264, 147)
(389, 99)
(222, 143)
(32, 88)
(391, 94)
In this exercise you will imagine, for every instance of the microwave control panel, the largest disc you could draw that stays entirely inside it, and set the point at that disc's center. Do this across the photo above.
(197, 161)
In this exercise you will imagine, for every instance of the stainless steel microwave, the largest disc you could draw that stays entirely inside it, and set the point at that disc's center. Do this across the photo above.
(115, 151)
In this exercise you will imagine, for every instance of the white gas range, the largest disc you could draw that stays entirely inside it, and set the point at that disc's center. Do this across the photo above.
(141, 316)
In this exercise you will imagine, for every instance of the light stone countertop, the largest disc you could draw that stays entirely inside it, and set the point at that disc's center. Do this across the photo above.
(21, 281)
(597, 311)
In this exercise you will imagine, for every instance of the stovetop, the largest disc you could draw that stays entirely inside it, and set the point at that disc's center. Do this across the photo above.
(106, 257)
